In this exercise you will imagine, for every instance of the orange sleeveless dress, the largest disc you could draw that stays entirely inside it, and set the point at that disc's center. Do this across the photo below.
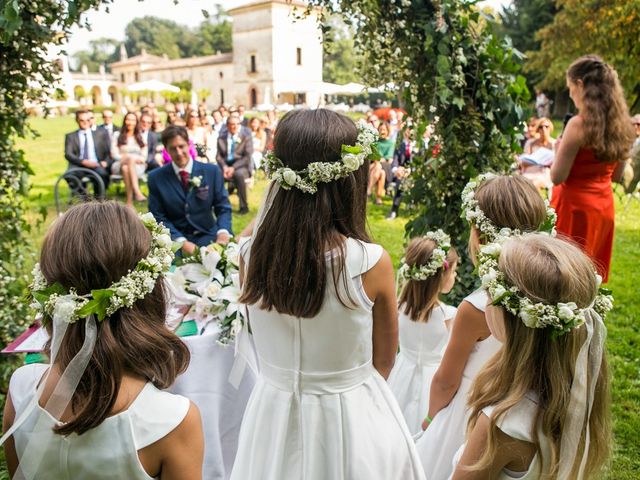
(584, 204)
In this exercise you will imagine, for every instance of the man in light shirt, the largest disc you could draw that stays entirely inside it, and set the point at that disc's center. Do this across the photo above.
(88, 148)
(235, 148)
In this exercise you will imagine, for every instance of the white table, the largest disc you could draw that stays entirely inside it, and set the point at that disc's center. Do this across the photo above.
(221, 406)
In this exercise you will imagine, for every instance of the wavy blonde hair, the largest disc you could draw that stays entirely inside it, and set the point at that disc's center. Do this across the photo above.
(605, 115)
(418, 297)
(549, 270)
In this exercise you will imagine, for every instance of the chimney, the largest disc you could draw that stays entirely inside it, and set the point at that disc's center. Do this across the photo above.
(123, 52)
(143, 51)
(84, 69)
(101, 69)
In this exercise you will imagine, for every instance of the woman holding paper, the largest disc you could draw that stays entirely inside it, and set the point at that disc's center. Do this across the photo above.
(594, 146)
(536, 166)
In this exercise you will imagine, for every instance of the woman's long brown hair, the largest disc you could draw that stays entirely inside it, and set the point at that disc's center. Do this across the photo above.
(90, 247)
(288, 263)
(607, 125)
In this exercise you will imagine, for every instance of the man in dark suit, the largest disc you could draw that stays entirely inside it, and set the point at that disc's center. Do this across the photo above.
(184, 195)
(88, 148)
(234, 158)
(149, 139)
(107, 124)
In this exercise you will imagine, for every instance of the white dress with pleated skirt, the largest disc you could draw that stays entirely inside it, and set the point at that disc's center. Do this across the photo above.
(319, 409)
(105, 452)
(446, 433)
(519, 423)
(422, 345)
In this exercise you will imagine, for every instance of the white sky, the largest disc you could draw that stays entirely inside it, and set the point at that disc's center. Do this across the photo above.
(186, 12)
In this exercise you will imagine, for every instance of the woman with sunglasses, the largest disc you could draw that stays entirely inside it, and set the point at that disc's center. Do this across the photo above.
(197, 134)
(539, 174)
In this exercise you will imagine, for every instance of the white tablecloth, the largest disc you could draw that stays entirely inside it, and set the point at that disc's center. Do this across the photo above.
(221, 406)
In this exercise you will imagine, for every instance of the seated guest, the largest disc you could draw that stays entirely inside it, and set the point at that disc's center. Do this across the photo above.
(197, 134)
(107, 123)
(130, 155)
(150, 139)
(89, 149)
(184, 194)
(259, 141)
(400, 169)
(235, 149)
(538, 174)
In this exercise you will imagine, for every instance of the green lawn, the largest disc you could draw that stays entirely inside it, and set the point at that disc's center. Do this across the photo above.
(45, 154)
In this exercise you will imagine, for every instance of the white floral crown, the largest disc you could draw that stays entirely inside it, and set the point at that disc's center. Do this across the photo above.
(307, 179)
(55, 300)
(437, 261)
(473, 213)
(560, 317)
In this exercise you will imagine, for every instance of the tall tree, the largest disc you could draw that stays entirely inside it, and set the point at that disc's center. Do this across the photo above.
(158, 36)
(340, 61)
(610, 29)
(214, 34)
(102, 51)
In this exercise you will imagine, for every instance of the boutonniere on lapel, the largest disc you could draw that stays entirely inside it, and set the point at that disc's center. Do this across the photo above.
(195, 181)
(237, 140)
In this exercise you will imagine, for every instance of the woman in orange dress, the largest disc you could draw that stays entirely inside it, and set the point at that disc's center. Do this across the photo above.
(592, 150)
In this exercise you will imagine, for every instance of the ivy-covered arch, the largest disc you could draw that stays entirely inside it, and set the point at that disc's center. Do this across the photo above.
(462, 79)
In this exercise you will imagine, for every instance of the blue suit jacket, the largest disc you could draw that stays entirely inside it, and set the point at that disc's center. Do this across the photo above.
(191, 212)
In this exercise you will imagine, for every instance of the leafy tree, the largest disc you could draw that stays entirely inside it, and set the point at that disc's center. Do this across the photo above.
(340, 62)
(214, 34)
(102, 51)
(463, 79)
(521, 20)
(158, 36)
(610, 29)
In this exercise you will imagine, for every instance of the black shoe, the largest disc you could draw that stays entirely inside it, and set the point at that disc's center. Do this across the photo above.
(243, 211)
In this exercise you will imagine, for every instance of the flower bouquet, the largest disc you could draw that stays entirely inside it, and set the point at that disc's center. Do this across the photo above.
(206, 288)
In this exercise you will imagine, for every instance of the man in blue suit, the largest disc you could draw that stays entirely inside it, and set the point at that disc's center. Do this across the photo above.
(185, 194)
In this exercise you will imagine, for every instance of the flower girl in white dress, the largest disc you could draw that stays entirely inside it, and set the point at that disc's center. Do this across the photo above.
(495, 206)
(428, 270)
(97, 412)
(322, 310)
(540, 407)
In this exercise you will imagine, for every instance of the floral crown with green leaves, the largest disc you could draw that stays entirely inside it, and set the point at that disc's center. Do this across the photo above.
(560, 317)
(437, 260)
(307, 179)
(473, 213)
(56, 300)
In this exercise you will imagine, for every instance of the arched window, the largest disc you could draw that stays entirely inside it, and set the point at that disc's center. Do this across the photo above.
(253, 93)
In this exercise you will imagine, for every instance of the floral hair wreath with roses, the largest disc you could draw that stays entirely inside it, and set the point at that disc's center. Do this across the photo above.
(307, 179)
(437, 261)
(55, 300)
(560, 317)
(473, 213)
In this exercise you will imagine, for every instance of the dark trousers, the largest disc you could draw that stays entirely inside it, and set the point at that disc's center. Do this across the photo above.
(202, 239)
(104, 175)
(397, 197)
(239, 181)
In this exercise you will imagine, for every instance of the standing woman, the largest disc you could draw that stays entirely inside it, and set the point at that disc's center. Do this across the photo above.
(592, 152)
(130, 154)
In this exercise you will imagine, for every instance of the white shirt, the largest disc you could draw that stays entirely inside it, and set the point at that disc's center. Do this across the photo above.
(91, 148)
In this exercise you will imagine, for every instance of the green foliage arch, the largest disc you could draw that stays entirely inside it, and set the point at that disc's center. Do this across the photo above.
(458, 76)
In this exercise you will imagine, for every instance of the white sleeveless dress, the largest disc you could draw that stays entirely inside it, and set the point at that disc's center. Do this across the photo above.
(446, 433)
(319, 409)
(422, 345)
(518, 423)
(105, 452)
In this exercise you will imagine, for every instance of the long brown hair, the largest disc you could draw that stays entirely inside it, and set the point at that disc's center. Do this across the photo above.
(510, 201)
(137, 135)
(288, 266)
(605, 114)
(418, 297)
(548, 270)
(91, 246)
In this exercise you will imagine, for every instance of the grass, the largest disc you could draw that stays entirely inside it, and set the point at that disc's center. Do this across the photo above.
(45, 154)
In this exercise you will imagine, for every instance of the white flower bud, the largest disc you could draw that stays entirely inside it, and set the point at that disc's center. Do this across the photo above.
(351, 161)
(289, 176)
(164, 240)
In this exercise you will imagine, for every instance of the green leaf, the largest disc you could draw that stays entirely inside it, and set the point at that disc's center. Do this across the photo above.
(355, 149)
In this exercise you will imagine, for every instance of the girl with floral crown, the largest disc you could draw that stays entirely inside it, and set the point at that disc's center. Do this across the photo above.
(540, 406)
(97, 411)
(322, 310)
(494, 206)
(428, 270)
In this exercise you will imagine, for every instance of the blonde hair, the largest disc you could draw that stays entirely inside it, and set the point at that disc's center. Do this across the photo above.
(605, 113)
(549, 270)
(418, 297)
(509, 201)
